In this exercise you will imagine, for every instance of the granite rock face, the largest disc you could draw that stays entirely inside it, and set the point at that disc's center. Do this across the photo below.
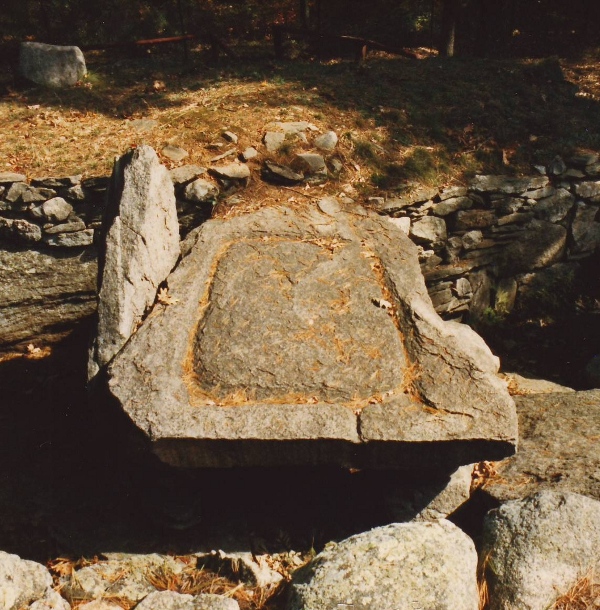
(315, 329)
(169, 600)
(50, 65)
(22, 582)
(407, 565)
(539, 547)
(558, 447)
(42, 296)
(141, 248)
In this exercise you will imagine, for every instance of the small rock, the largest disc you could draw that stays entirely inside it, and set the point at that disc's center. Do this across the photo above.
(474, 219)
(273, 140)
(230, 136)
(587, 190)
(463, 287)
(186, 173)
(233, 171)
(429, 230)
(19, 230)
(74, 224)
(227, 153)
(54, 183)
(201, 191)
(249, 153)
(79, 239)
(312, 166)
(335, 166)
(452, 192)
(56, 209)
(175, 153)
(452, 205)
(557, 166)
(15, 191)
(34, 195)
(281, 173)
(75, 193)
(327, 141)
(556, 207)
(8, 177)
(141, 125)
(507, 184)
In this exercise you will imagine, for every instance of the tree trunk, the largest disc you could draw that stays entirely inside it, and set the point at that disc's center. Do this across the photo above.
(449, 21)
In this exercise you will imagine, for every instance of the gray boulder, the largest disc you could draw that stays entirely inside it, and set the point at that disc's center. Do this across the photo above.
(555, 207)
(169, 600)
(407, 565)
(298, 330)
(558, 450)
(22, 582)
(537, 548)
(50, 65)
(327, 141)
(43, 297)
(141, 248)
(585, 230)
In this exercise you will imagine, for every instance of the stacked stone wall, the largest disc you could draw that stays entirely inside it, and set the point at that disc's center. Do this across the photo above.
(483, 246)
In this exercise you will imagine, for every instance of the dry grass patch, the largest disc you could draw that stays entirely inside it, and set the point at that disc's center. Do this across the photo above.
(583, 595)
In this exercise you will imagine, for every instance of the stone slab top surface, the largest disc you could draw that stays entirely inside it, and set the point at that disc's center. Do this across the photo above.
(307, 325)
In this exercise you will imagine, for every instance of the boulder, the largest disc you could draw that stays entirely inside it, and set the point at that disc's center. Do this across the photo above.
(558, 450)
(468, 220)
(285, 315)
(589, 190)
(537, 548)
(281, 174)
(22, 582)
(44, 296)
(273, 140)
(141, 247)
(452, 204)
(327, 141)
(50, 65)
(10, 177)
(404, 565)
(19, 231)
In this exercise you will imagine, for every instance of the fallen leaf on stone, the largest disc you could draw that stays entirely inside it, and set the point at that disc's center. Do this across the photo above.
(164, 298)
(382, 303)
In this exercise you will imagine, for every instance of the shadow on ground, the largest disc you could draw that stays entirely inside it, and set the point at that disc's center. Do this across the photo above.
(72, 484)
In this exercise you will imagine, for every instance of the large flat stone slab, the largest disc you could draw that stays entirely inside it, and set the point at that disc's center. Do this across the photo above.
(308, 337)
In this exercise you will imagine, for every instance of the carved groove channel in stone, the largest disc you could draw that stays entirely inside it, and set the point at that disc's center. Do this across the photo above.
(309, 324)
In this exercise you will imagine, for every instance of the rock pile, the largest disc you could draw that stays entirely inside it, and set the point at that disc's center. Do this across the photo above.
(534, 550)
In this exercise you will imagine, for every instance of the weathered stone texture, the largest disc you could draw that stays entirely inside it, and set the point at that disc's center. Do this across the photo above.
(422, 565)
